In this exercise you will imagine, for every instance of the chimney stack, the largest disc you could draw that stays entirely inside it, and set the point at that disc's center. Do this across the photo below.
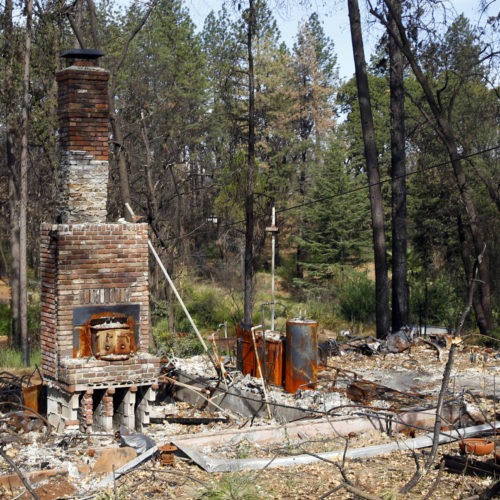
(83, 138)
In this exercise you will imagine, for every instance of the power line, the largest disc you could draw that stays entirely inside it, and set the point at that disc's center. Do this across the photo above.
(383, 181)
(351, 191)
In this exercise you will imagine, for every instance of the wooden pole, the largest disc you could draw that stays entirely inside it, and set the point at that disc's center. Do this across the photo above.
(261, 375)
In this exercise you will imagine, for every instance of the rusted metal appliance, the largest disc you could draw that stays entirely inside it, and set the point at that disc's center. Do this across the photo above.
(111, 337)
(301, 354)
(108, 335)
(271, 351)
(271, 347)
(245, 351)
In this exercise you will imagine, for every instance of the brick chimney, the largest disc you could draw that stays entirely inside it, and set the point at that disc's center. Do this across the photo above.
(83, 138)
(95, 317)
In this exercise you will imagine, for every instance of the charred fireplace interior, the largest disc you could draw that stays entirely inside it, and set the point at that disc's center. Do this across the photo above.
(108, 333)
(95, 320)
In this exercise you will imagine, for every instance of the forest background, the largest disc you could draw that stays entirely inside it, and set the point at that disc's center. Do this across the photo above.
(212, 126)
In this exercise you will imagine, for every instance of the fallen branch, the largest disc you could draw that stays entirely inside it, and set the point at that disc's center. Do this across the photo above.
(436, 482)
(420, 473)
(351, 489)
(488, 493)
(19, 473)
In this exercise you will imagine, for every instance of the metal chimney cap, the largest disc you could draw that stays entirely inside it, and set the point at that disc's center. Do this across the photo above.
(82, 54)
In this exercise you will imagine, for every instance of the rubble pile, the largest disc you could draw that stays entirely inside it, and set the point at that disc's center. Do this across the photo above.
(356, 384)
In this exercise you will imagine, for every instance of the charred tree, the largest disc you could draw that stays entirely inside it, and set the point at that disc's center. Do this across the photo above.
(400, 294)
(23, 200)
(445, 131)
(370, 152)
(249, 195)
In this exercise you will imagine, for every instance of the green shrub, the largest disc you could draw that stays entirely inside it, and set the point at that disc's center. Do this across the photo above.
(323, 311)
(181, 344)
(356, 297)
(4, 319)
(287, 270)
(208, 306)
(34, 323)
(235, 485)
(435, 303)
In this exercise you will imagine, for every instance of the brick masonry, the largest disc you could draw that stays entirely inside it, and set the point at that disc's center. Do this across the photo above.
(87, 265)
(76, 260)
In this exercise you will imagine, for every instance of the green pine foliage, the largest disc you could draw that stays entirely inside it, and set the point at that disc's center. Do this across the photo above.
(337, 218)
(181, 101)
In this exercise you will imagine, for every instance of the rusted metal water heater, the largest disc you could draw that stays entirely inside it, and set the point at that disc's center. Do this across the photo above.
(245, 355)
(301, 354)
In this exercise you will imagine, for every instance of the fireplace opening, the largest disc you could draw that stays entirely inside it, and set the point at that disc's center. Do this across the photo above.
(107, 333)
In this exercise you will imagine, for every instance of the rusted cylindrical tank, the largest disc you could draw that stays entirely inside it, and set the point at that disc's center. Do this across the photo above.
(245, 352)
(301, 350)
(272, 355)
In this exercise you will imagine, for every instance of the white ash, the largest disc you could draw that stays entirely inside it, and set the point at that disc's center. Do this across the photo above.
(199, 366)
(109, 326)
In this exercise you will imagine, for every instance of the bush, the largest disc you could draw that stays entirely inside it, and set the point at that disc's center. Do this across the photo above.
(233, 486)
(4, 319)
(182, 345)
(356, 297)
(435, 303)
(325, 312)
(208, 306)
(33, 321)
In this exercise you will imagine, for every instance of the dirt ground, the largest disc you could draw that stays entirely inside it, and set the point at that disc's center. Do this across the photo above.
(382, 477)
(4, 292)
(377, 477)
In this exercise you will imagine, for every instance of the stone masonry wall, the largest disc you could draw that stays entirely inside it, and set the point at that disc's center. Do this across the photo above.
(84, 264)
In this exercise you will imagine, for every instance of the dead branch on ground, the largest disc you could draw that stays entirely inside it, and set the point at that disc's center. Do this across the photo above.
(18, 472)
(351, 489)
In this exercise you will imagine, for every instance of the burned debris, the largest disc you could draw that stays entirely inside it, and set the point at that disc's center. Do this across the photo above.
(360, 407)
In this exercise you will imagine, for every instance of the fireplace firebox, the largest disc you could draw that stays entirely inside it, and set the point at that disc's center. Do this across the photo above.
(107, 333)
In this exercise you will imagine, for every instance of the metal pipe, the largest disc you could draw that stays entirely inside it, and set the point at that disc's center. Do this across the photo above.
(260, 369)
(273, 251)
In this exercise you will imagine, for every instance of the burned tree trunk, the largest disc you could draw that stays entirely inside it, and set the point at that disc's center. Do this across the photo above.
(376, 200)
(23, 271)
(444, 129)
(400, 295)
(249, 197)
